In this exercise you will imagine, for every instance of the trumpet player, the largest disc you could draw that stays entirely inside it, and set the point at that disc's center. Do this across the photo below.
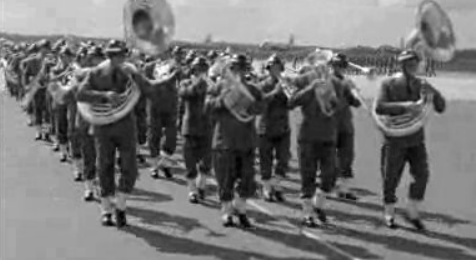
(273, 131)
(317, 136)
(196, 130)
(345, 89)
(399, 95)
(233, 142)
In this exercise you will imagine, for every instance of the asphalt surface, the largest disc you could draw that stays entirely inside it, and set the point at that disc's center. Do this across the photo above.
(43, 217)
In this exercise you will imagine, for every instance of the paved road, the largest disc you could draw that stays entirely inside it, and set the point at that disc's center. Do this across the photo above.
(44, 218)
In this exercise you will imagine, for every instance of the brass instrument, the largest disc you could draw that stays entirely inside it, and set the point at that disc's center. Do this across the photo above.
(148, 26)
(434, 38)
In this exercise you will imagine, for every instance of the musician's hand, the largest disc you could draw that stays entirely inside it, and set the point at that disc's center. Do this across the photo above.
(414, 107)
(113, 97)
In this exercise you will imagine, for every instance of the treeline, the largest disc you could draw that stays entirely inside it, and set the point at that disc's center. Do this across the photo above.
(464, 61)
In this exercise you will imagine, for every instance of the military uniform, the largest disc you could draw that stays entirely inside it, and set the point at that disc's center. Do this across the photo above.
(274, 137)
(196, 130)
(99, 80)
(233, 144)
(317, 136)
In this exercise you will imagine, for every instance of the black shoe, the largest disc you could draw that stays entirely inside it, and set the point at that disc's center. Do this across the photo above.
(321, 215)
(78, 177)
(193, 198)
(64, 158)
(140, 158)
(201, 194)
(106, 220)
(48, 138)
(121, 220)
(244, 221)
(56, 148)
(309, 222)
(228, 222)
(278, 195)
(268, 197)
(154, 174)
(38, 137)
(390, 223)
(167, 173)
(415, 222)
(88, 196)
(347, 196)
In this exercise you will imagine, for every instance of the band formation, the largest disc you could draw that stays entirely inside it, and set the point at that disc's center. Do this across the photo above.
(94, 101)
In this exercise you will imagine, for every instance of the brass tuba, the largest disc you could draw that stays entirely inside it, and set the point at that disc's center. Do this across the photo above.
(432, 38)
(149, 25)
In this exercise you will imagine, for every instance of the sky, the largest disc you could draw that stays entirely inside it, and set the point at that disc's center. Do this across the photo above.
(336, 23)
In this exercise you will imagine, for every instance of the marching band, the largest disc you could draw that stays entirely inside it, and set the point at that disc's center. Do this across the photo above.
(102, 99)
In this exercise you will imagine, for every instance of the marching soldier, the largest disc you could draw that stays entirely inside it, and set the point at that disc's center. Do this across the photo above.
(62, 73)
(317, 136)
(233, 145)
(345, 126)
(103, 83)
(163, 115)
(399, 95)
(274, 132)
(196, 130)
(35, 68)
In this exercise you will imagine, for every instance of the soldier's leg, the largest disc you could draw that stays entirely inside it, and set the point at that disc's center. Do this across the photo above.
(327, 163)
(307, 153)
(129, 171)
(141, 125)
(105, 150)
(392, 163)
(204, 164)
(345, 160)
(283, 154)
(38, 115)
(190, 156)
(418, 160)
(224, 164)
(89, 163)
(75, 142)
(62, 131)
(246, 187)
(155, 136)
(266, 165)
(168, 144)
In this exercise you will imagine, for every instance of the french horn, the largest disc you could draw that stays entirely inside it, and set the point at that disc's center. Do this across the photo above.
(433, 37)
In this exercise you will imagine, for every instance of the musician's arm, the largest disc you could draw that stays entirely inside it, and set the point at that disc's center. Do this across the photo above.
(86, 93)
(350, 93)
(214, 100)
(439, 102)
(189, 89)
(385, 107)
(301, 97)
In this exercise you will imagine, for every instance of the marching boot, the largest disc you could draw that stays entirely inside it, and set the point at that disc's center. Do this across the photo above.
(89, 191)
(192, 191)
(78, 169)
(140, 157)
(106, 211)
(38, 135)
(201, 185)
(268, 191)
(319, 202)
(165, 164)
(64, 152)
(344, 189)
(277, 189)
(227, 211)
(154, 170)
(239, 204)
(56, 147)
(413, 215)
(389, 216)
(120, 213)
(308, 219)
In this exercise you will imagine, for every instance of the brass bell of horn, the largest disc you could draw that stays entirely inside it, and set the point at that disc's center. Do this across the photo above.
(149, 25)
(433, 36)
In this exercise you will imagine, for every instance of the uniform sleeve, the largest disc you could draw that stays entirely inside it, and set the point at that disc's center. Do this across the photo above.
(214, 100)
(351, 95)
(301, 97)
(439, 102)
(383, 104)
(86, 93)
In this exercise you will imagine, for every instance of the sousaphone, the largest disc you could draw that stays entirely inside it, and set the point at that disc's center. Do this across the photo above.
(149, 25)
